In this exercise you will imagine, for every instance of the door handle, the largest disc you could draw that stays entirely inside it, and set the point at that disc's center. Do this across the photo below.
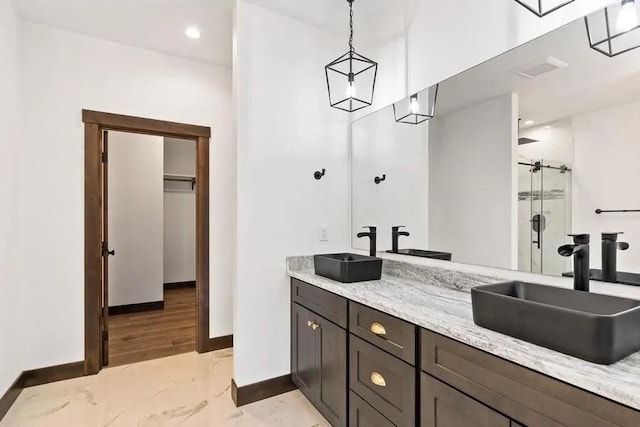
(107, 252)
(537, 223)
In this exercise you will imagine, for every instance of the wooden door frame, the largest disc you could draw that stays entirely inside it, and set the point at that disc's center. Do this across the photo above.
(95, 122)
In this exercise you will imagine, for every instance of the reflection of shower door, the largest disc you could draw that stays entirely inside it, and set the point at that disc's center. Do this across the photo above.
(544, 215)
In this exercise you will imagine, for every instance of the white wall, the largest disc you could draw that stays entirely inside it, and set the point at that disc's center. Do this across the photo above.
(555, 142)
(10, 302)
(179, 212)
(473, 183)
(605, 178)
(135, 164)
(62, 73)
(285, 132)
(400, 151)
(448, 37)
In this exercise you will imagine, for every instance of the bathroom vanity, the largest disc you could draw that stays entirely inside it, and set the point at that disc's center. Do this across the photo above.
(404, 351)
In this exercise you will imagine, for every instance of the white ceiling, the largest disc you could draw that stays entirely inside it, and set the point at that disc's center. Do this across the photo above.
(374, 20)
(159, 24)
(151, 24)
(590, 82)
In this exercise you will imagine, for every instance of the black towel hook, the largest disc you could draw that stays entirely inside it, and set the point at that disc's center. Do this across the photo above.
(318, 174)
(378, 180)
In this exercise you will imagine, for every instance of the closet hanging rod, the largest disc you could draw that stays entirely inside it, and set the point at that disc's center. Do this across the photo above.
(179, 178)
(601, 211)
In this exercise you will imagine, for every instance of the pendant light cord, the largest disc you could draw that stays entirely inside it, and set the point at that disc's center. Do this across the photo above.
(351, 49)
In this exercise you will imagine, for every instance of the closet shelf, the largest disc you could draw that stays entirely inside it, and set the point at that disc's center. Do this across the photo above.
(181, 178)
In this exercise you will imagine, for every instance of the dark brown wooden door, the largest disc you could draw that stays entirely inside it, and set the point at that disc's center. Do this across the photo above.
(444, 406)
(104, 313)
(331, 357)
(304, 370)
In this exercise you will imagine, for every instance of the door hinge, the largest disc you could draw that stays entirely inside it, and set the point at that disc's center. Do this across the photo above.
(105, 335)
(103, 157)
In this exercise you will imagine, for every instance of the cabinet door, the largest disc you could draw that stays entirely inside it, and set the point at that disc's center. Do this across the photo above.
(331, 396)
(303, 351)
(361, 414)
(444, 406)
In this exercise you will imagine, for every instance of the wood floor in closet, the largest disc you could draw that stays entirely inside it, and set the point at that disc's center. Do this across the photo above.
(154, 334)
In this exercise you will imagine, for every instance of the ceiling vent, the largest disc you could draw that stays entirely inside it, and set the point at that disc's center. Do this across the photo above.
(540, 67)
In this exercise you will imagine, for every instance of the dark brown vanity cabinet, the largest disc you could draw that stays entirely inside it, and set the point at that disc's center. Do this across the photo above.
(386, 372)
(319, 359)
(444, 406)
(497, 386)
(382, 368)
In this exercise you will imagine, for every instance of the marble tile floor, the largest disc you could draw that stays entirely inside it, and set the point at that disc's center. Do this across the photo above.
(187, 390)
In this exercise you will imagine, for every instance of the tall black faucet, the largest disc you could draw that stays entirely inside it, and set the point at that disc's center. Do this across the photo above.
(580, 251)
(395, 234)
(372, 234)
(610, 247)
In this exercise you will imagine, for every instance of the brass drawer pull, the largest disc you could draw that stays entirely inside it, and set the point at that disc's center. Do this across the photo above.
(309, 323)
(378, 329)
(378, 379)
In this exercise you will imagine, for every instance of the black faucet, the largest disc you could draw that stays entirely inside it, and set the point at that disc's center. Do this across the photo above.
(395, 234)
(372, 235)
(580, 251)
(610, 247)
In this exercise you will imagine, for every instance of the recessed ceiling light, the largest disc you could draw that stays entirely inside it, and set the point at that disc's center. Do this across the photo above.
(192, 32)
(528, 122)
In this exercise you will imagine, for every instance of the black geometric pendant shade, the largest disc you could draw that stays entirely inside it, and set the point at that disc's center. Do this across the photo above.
(543, 7)
(417, 108)
(614, 30)
(351, 79)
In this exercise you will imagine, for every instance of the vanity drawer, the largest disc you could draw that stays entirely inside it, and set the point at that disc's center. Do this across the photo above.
(387, 332)
(383, 381)
(518, 392)
(361, 414)
(328, 305)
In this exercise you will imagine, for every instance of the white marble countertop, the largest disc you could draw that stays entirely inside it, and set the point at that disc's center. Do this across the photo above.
(440, 300)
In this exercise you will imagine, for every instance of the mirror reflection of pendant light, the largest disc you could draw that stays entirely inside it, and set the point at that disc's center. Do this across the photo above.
(627, 17)
(613, 30)
(416, 108)
(351, 79)
(543, 7)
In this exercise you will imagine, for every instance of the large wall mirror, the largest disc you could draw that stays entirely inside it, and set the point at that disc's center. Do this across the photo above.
(522, 150)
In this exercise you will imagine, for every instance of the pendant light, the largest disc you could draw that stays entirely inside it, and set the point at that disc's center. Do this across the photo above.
(417, 108)
(613, 30)
(351, 79)
(627, 17)
(543, 7)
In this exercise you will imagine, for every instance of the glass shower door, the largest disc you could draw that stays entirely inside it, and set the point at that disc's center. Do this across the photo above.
(555, 205)
(544, 215)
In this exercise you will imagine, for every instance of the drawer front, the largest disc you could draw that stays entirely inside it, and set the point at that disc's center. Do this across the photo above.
(444, 406)
(328, 305)
(387, 332)
(384, 381)
(361, 414)
(520, 393)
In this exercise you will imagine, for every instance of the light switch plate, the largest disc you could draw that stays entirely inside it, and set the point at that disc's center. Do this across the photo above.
(324, 233)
